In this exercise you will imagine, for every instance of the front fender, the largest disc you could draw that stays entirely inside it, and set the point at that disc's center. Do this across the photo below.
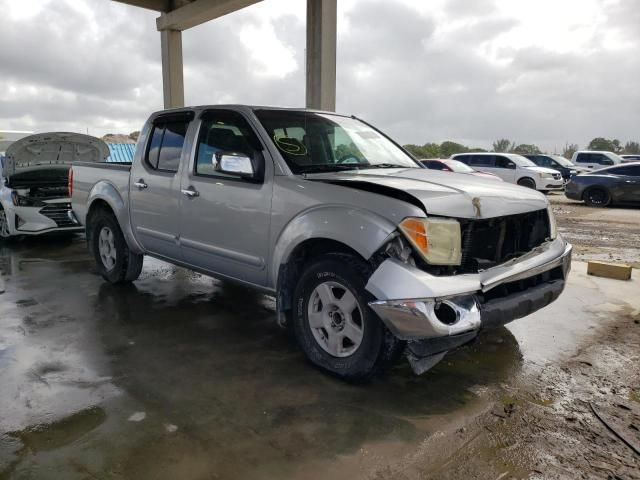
(360, 229)
(108, 193)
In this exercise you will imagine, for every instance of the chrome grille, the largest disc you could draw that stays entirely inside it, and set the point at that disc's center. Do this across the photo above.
(59, 213)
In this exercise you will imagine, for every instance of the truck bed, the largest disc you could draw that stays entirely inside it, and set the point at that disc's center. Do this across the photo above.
(87, 174)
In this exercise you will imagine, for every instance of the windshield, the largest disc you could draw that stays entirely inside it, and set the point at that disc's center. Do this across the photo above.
(318, 142)
(562, 161)
(458, 167)
(522, 161)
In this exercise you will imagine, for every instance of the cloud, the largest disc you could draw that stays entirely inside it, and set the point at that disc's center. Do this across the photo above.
(465, 70)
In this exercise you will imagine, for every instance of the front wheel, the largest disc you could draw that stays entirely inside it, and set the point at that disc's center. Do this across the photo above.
(527, 182)
(115, 262)
(333, 323)
(597, 197)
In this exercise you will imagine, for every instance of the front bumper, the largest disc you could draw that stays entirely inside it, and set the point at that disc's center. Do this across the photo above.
(416, 305)
(52, 217)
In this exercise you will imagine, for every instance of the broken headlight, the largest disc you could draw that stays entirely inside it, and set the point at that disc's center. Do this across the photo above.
(437, 240)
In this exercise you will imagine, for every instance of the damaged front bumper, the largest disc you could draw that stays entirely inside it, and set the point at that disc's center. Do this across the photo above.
(436, 314)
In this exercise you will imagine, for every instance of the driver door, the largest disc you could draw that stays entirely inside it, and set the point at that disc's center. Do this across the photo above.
(225, 220)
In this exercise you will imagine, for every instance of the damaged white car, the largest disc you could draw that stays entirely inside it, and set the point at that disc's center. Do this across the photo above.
(34, 182)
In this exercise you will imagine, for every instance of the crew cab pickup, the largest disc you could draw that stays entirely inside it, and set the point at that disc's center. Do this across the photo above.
(369, 254)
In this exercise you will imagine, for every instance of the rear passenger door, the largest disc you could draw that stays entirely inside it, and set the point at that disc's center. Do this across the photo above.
(154, 191)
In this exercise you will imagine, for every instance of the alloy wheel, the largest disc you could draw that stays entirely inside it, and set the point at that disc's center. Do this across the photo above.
(107, 248)
(335, 318)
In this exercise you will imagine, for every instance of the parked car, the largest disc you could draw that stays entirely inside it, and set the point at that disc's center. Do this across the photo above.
(630, 158)
(513, 168)
(619, 184)
(448, 165)
(368, 253)
(594, 160)
(557, 162)
(34, 182)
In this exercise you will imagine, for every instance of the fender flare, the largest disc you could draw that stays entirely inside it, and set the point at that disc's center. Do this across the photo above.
(362, 230)
(107, 192)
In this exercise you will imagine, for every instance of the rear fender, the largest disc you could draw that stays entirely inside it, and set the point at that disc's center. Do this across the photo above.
(106, 192)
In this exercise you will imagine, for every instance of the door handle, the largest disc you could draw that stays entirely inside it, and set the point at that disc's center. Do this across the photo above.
(190, 192)
(140, 184)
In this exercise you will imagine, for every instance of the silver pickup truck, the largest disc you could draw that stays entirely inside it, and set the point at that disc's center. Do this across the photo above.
(369, 254)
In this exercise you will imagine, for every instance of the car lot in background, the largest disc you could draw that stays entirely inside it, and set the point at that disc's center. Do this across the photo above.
(513, 168)
(594, 160)
(630, 158)
(619, 184)
(557, 162)
(448, 165)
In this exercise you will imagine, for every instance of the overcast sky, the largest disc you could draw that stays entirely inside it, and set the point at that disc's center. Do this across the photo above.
(535, 71)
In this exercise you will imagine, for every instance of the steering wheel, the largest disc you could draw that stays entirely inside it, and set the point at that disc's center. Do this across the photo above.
(349, 159)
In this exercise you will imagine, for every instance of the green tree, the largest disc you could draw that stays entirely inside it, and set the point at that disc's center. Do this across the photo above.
(449, 148)
(601, 143)
(526, 149)
(428, 150)
(569, 150)
(632, 148)
(503, 145)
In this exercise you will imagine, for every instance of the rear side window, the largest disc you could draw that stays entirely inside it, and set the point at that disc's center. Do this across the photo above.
(583, 158)
(165, 147)
(435, 165)
(629, 170)
(481, 161)
(463, 158)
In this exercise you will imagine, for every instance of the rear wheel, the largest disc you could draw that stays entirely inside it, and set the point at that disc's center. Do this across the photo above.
(115, 262)
(333, 323)
(527, 182)
(597, 197)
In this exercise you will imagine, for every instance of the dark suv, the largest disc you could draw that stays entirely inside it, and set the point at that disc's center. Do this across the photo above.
(557, 162)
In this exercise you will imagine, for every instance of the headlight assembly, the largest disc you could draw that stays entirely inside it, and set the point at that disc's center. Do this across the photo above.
(437, 240)
(21, 201)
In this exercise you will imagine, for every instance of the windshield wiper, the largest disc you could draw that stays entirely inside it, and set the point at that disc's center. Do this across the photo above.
(383, 165)
(329, 167)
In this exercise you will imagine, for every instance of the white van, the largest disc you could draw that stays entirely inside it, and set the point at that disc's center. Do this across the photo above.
(513, 168)
(595, 159)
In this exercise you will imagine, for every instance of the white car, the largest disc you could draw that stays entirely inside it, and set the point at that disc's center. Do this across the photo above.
(513, 168)
(595, 160)
(34, 195)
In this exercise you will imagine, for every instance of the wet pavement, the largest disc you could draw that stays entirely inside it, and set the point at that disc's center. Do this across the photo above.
(183, 376)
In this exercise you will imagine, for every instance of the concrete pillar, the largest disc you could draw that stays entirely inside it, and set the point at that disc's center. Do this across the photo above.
(172, 74)
(321, 54)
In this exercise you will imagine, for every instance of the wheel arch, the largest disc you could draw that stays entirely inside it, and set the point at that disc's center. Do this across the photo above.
(105, 196)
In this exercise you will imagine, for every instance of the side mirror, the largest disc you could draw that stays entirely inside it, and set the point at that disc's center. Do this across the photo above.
(511, 166)
(235, 164)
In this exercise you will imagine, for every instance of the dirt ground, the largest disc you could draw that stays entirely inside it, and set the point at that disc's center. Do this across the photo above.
(607, 234)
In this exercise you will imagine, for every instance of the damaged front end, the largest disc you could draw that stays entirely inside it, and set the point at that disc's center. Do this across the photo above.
(436, 309)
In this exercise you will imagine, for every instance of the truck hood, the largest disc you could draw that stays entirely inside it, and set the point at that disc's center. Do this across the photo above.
(50, 151)
(442, 193)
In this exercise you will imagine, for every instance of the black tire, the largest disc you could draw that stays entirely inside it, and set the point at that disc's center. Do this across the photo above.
(4, 236)
(527, 182)
(378, 347)
(597, 197)
(127, 265)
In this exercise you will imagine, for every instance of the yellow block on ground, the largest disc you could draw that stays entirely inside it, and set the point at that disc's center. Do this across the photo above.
(609, 270)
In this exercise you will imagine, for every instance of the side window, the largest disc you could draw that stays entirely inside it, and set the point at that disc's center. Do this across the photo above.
(482, 161)
(630, 171)
(543, 161)
(583, 158)
(223, 131)
(602, 159)
(165, 147)
(503, 162)
(435, 165)
(466, 159)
